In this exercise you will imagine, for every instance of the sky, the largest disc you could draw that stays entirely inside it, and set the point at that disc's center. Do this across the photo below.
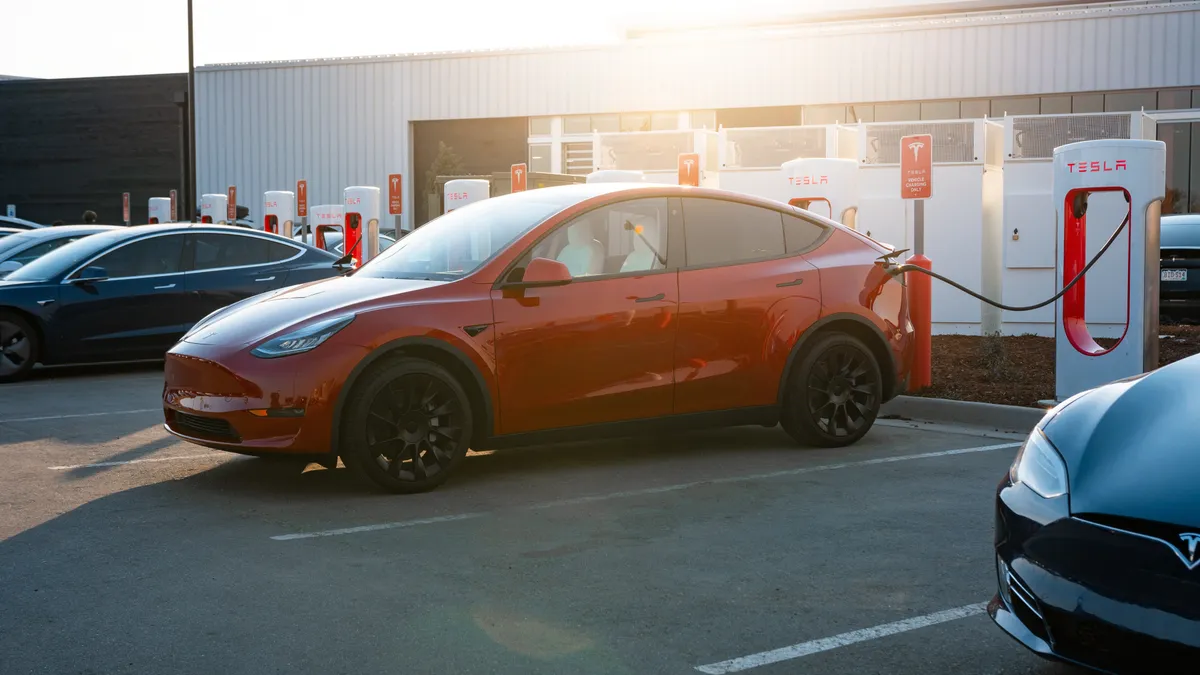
(88, 38)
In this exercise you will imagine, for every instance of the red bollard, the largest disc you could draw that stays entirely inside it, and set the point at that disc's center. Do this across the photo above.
(920, 312)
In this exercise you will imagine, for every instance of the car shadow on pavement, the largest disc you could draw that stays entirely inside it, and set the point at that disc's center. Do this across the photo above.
(141, 451)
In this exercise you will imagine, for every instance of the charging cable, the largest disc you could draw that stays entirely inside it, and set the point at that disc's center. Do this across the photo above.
(895, 270)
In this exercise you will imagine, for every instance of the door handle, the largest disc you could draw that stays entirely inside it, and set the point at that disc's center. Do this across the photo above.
(264, 279)
(163, 288)
(785, 284)
(652, 298)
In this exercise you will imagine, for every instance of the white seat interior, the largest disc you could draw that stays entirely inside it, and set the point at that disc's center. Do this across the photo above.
(582, 255)
(642, 258)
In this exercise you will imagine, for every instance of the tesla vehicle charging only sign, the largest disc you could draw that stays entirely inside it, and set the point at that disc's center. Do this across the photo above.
(517, 175)
(231, 207)
(125, 206)
(395, 200)
(302, 199)
(916, 166)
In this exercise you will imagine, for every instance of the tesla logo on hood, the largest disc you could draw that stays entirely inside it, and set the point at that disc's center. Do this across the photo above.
(1192, 540)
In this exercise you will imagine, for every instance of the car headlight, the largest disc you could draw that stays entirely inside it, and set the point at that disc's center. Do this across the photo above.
(304, 340)
(1039, 466)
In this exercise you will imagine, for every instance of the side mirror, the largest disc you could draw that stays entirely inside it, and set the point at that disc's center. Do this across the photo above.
(545, 272)
(8, 267)
(90, 275)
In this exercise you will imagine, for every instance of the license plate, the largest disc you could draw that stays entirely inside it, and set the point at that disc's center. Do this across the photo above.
(1173, 275)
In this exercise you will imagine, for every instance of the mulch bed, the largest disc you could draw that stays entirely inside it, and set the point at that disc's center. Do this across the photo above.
(1019, 370)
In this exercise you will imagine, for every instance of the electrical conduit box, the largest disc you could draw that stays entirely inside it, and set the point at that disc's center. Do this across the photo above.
(826, 187)
(361, 231)
(751, 157)
(160, 210)
(213, 208)
(1107, 182)
(1029, 208)
(655, 154)
(963, 217)
(279, 212)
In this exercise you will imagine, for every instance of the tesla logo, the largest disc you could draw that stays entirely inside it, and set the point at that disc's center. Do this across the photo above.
(1192, 540)
(916, 146)
(688, 164)
(456, 195)
(350, 201)
(271, 205)
(518, 172)
(1096, 166)
(395, 183)
(808, 180)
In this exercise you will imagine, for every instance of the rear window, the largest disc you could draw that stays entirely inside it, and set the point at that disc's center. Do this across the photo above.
(719, 232)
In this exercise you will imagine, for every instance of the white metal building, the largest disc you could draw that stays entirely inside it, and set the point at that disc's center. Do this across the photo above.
(341, 122)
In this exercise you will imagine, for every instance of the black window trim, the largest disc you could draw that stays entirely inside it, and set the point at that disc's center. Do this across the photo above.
(828, 232)
(673, 223)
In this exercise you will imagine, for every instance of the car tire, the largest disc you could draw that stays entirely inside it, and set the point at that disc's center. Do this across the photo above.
(19, 349)
(407, 425)
(834, 392)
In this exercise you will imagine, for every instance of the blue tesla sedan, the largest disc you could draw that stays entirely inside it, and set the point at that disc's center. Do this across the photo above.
(130, 293)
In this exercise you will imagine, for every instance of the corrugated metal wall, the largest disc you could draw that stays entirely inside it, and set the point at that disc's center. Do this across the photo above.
(345, 122)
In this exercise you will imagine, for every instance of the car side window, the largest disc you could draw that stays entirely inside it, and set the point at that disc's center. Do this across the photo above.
(720, 232)
(212, 250)
(34, 252)
(800, 234)
(144, 257)
(277, 252)
(621, 238)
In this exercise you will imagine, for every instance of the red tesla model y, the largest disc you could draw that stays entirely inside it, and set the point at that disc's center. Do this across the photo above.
(554, 314)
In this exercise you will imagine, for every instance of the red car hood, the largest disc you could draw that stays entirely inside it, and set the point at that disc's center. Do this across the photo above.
(262, 316)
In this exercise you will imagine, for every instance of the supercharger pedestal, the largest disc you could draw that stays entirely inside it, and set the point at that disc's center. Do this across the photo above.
(160, 210)
(325, 218)
(1029, 236)
(279, 212)
(1099, 183)
(827, 187)
(361, 233)
(213, 208)
(462, 191)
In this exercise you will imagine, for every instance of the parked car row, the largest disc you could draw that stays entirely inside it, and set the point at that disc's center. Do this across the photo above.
(131, 292)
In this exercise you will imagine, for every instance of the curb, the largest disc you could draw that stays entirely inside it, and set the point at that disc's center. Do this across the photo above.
(1009, 418)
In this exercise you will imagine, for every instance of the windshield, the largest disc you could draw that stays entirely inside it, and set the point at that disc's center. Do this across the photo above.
(60, 261)
(1176, 232)
(457, 243)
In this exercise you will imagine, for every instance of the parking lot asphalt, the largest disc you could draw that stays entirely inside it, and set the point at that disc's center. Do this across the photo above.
(123, 550)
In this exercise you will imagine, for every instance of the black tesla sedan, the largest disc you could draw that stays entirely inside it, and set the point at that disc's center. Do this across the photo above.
(130, 293)
(1098, 528)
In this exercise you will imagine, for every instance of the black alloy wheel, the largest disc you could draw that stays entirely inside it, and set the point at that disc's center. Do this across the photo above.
(408, 426)
(834, 394)
(18, 347)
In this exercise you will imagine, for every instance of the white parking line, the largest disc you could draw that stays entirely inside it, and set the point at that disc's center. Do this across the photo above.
(381, 526)
(650, 491)
(843, 640)
(138, 461)
(68, 417)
